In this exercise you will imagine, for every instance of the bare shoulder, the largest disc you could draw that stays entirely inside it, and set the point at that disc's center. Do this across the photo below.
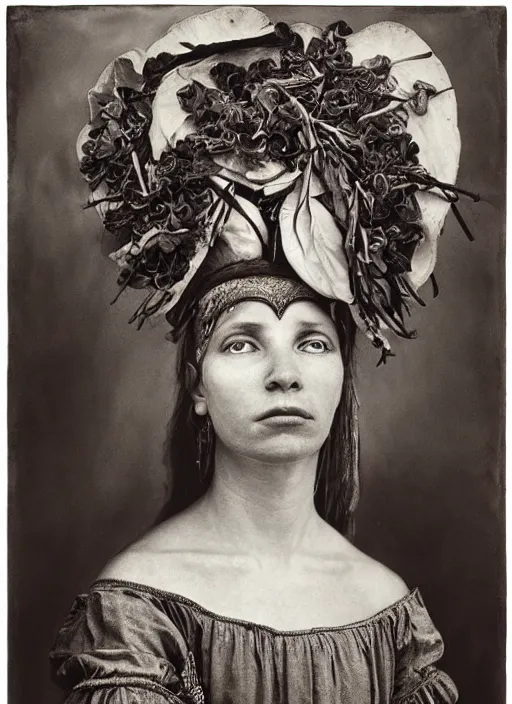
(380, 586)
(126, 566)
(160, 559)
(367, 583)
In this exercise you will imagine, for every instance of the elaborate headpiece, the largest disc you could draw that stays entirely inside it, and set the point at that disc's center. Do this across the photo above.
(335, 153)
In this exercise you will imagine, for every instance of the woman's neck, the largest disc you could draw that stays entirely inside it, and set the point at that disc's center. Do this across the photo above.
(266, 510)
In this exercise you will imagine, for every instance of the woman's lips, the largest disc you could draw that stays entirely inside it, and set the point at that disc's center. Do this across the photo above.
(283, 414)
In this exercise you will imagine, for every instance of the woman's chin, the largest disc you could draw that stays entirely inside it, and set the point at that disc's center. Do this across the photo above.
(285, 449)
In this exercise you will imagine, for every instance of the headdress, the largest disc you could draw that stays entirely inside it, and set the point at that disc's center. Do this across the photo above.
(333, 152)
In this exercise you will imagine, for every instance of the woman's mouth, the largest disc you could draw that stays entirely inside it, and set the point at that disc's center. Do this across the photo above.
(285, 414)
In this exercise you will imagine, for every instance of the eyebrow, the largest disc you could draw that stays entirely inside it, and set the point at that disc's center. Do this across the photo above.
(250, 328)
(244, 327)
(312, 324)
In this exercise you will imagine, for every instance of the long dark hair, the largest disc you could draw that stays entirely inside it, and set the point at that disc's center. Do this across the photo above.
(336, 486)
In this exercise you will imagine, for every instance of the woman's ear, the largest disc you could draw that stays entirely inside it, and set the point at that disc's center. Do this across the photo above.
(190, 377)
(195, 388)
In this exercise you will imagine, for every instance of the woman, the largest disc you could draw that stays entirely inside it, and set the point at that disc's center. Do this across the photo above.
(233, 200)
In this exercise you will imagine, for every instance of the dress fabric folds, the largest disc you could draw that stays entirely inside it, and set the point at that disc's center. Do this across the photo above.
(125, 643)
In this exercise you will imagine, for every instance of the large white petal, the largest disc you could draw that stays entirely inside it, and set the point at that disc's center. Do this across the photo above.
(238, 233)
(219, 25)
(313, 244)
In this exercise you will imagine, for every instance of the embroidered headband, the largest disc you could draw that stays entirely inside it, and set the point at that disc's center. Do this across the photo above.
(275, 291)
(334, 152)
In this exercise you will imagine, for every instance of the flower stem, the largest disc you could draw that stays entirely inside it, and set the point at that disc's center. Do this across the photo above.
(426, 55)
(440, 92)
(136, 163)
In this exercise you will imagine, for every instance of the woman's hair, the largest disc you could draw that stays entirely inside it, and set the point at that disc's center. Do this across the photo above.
(191, 466)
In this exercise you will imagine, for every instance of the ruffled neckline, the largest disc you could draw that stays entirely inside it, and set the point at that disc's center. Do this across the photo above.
(111, 584)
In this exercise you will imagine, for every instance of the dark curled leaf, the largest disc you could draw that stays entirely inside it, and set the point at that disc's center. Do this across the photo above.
(251, 146)
(291, 39)
(143, 109)
(114, 109)
(228, 76)
(259, 70)
(377, 240)
(379, 64)
(429, 89)
(279, 144)
(156, 66)
(412, 148)
(337, 30)
(419, 102)
(316, 48)
(191, 95)
(380, 185)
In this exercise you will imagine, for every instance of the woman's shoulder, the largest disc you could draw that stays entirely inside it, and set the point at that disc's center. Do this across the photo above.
(164, 557)
(380, 582)
(375, 586)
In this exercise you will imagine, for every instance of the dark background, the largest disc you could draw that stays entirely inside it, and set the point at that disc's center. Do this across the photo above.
(90, 396)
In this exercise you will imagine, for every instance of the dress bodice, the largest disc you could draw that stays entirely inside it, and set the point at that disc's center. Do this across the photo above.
(124, 642)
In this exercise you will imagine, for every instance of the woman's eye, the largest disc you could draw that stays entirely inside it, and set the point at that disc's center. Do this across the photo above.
(315, 346)
(240, 346)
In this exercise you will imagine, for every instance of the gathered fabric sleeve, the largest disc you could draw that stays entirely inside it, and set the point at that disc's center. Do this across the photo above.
(115, 650)
(419, 646)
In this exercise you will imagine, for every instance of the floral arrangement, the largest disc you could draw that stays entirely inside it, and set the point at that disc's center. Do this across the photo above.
(271, 146)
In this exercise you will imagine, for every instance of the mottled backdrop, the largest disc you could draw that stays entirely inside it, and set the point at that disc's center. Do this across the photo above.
(90, 396)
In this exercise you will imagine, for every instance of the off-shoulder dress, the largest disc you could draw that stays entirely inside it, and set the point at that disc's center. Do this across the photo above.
(126, 643)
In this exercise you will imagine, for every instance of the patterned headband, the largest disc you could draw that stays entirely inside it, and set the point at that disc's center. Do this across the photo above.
(275, 291)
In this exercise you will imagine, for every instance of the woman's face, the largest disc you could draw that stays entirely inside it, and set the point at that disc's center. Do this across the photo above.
(271, 386)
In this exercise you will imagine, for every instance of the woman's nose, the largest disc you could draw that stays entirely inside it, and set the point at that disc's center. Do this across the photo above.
(284, 374)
